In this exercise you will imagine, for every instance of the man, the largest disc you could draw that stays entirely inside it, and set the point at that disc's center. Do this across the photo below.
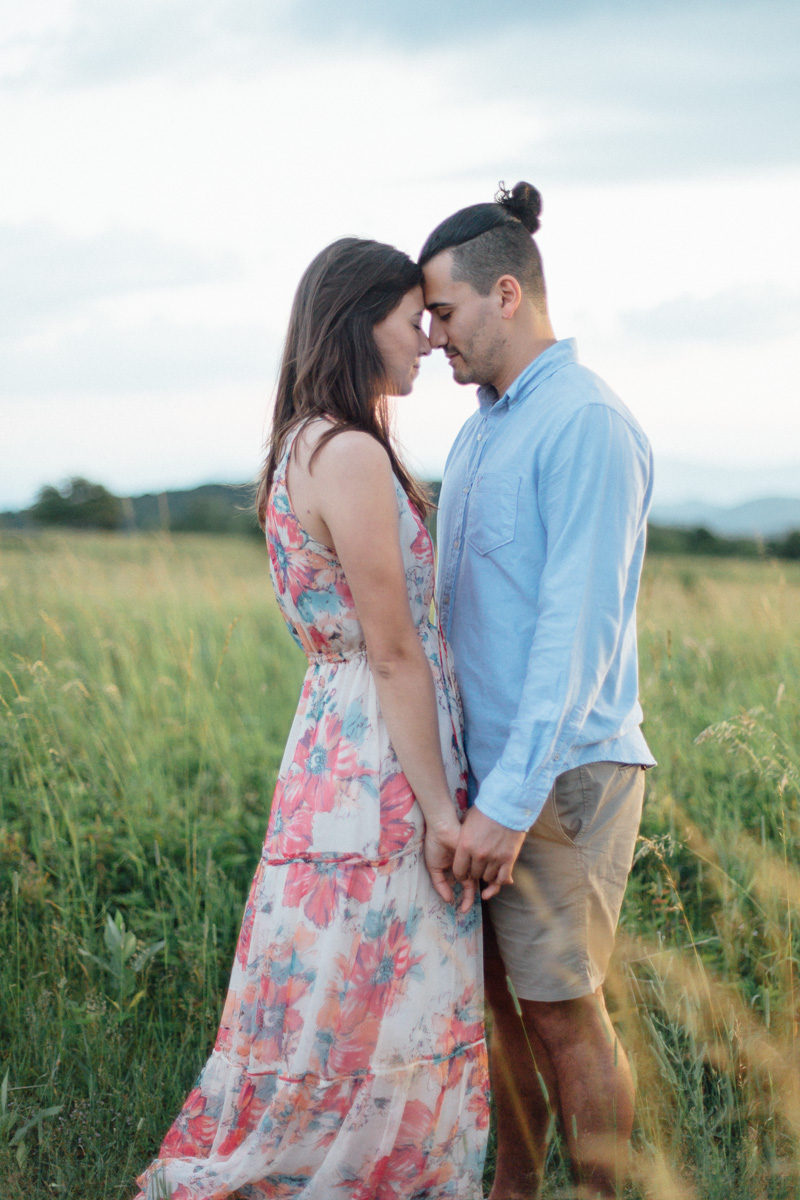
(542, 525)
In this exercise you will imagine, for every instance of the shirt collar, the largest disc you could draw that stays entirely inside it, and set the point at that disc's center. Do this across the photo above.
(543, 366)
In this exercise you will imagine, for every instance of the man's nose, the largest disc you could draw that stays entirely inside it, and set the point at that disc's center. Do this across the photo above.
(436, 334)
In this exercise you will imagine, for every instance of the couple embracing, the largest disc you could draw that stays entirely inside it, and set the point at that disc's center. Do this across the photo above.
(418, 850)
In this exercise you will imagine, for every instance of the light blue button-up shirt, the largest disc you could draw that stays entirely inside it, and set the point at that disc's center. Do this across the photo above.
(541, 532)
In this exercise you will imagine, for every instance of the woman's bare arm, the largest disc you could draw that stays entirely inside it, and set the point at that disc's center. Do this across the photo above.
(350, 492)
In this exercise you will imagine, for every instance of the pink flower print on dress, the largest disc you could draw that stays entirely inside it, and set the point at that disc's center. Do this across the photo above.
(248, 921)
(366, 986)
(382, 963)
(459, 1027)
(322, 888)
(247, 1114)
(422, 546)
(397, 800)
(284, 982)
(324, 774)
(478, 1092)
(290, 830)
(193, 1132)
(296, 567)
(408, 1170)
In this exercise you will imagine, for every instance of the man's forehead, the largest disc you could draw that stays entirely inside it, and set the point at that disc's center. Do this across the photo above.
(439, 286)
(440, 267)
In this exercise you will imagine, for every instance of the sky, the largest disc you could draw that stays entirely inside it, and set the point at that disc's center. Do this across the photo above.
(171, 167)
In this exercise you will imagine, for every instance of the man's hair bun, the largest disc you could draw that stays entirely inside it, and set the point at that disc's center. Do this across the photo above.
(522, 202)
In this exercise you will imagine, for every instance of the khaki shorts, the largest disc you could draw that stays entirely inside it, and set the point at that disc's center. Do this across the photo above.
(555, 925)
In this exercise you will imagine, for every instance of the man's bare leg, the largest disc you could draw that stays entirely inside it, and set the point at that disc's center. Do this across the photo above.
(572, 1045)
(595, 1087)
(517, 1059)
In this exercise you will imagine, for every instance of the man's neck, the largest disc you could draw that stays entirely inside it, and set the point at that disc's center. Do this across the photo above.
(522, 356)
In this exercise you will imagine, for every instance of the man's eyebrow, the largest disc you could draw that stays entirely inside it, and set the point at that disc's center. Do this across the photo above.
(437, 304)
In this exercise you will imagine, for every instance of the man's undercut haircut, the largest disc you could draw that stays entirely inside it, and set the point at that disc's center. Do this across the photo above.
(490, 240)
(504, 250)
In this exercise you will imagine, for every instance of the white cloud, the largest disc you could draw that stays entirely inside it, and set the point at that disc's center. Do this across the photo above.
(49, 273)
(106, 360)
(625, 90)
(742, 314)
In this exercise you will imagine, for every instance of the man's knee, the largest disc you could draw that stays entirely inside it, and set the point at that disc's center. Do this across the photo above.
(560, 1023)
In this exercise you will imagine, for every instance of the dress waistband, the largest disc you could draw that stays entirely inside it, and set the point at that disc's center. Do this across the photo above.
(424, 629)
(344, 656)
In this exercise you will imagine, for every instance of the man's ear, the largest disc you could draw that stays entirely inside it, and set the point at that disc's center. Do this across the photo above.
(509, 294)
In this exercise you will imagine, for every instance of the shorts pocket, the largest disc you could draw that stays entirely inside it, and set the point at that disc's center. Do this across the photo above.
(492, 514)
(569, 803)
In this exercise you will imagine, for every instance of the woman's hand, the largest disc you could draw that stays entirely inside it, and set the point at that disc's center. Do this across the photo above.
(440, 848)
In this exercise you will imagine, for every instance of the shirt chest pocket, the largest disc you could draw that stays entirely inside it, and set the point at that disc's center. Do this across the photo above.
(492, 513)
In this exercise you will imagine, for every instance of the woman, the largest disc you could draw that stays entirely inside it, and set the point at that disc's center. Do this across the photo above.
(350, 1060)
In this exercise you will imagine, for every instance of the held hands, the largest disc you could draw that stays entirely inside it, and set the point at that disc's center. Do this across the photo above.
(486, 850)
(440, 847)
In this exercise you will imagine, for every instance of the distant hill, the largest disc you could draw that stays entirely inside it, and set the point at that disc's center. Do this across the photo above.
(766, 518)
(210, 508)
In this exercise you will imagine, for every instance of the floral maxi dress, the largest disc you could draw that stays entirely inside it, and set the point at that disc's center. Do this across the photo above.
(350, 1061)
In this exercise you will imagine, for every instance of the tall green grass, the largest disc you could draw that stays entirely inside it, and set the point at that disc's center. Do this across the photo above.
(146, 689)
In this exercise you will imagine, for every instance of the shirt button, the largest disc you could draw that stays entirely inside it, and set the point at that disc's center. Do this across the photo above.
(480, 437)
(466, 490)
(556, 757)
(446, 597)
(456, 544)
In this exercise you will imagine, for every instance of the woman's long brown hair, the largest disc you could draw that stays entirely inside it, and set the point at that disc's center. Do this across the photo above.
(330, 364)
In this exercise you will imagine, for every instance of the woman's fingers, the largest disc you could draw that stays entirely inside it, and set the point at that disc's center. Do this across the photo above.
(468, 893)
(441, 884)
(461, 864)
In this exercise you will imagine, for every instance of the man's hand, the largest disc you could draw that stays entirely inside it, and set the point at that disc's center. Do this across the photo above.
(486, 850)
(440, 847)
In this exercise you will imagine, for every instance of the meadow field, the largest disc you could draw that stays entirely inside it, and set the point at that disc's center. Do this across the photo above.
(147, 684)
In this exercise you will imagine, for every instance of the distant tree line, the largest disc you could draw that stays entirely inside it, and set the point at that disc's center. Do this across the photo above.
(222, 509)
(668, 539)
(79, 504)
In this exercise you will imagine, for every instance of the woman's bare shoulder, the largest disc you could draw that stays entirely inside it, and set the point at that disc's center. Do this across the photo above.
(348, 449)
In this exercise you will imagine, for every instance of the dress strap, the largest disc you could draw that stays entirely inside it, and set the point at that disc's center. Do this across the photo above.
(280, 466)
